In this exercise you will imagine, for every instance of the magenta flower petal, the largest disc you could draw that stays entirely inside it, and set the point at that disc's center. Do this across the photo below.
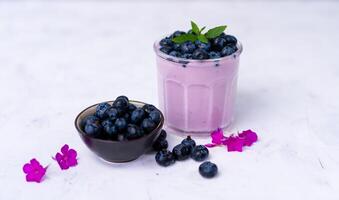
(249, 137)
(210, 145)
(34, 171)
(217, 136)
(67, 157)
(234, 143)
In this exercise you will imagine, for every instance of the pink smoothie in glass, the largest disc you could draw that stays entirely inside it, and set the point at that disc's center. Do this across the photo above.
(197, 96)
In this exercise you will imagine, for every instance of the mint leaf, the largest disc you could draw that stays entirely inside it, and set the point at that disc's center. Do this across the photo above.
(215, 32)
(184, 38)
(195, 28)
(203, 28)
(202, 38)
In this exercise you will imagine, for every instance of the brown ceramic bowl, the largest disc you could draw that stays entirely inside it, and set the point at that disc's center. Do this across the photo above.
(117, 151)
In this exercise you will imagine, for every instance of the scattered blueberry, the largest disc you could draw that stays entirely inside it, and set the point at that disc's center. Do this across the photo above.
(101, 110)
(155, 116)
(208, 169)
(200, 54)
(214, 54)
(181, 152)
(165, 158)
(148, 125)
(189, 142)
(162, 135)
(187, 47)
(137, 116)
(160, 145)
(199, 153)
(121, 124)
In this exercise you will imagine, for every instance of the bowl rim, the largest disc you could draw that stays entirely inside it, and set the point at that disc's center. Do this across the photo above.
(154, 131)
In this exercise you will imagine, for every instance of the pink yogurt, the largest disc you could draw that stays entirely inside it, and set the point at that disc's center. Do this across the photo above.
(197, 96)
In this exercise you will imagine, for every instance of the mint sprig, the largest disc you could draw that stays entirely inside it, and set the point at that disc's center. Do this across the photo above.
(198, 35)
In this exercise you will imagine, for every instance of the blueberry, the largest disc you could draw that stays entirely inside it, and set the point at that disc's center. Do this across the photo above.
(162, 135)
(148, 125)
(149, 108)
(89, 119)
(164, 158)
(131, 107)
(121, 105)
(214, 54)
(137, 116)
(189, 143)
(208, 169)
(112, 113)
(199, 153)
(200, 54)
(121, 124)
(181, 152)
(160, 144)
(106, 122)
(202, 45)
(186, 56)
(166, 42)
(227, 50)
(175, 54)
(93, 129)
(187, 47)
(219, 43)
(230, 39)
(111, 131)
(176, 47)
(155, 116)
(132, 132)
(177, 33)
(101, 110)
(127, 117)
(122, 97)
(166, 50)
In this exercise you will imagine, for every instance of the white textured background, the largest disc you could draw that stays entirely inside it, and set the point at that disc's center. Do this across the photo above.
(58, 57)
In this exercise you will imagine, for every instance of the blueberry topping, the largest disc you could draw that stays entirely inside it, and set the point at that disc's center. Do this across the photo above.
(93, 129)
(155, 116)
(121, 124)
(200, 54)
(112, 113)
(230, 39)
(177, 33)
(199, 153)
(166, 42)
(132, 132)
(148, 125)
(208, 169)
(160, 145)
(101, 110)
(214, 54)
(166, 50)
(219, 43)
(227, 50)
(189, 143)
(186, 56)
(175, 54)
(181, 152)
(137, 116)
(187, 47)
(164, 158)
(176, 47)
(202, 45)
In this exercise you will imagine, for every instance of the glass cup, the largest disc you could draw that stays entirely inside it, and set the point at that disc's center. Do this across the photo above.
(197, 96)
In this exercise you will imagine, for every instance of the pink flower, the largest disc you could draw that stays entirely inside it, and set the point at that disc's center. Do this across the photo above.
(234, 143)
(34, 171)
(67, 158)
(217, 138)
(249, 136)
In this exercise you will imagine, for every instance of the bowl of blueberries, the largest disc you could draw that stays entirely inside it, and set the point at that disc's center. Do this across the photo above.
(120, 130)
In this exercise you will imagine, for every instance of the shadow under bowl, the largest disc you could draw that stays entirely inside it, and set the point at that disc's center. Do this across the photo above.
(117, 151)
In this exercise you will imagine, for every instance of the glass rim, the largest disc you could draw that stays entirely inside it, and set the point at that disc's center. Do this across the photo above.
(184, 60)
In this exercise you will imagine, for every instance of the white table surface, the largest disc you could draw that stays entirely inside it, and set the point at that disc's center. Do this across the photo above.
(58, 58)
